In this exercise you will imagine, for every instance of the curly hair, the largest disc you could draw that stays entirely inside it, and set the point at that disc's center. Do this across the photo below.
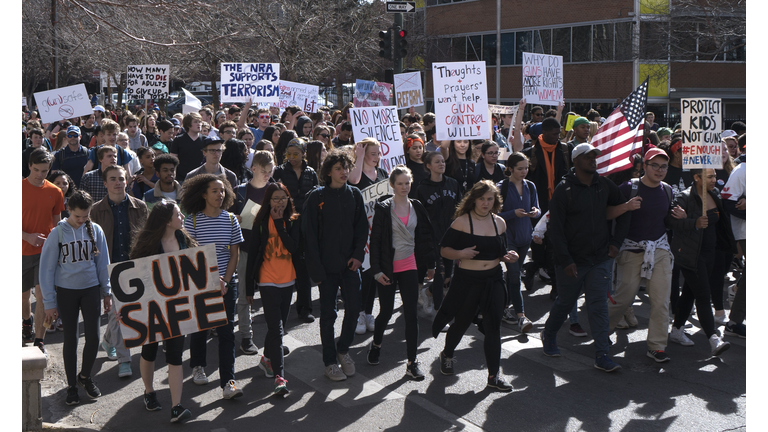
(53, 175)
(192, 191)
(335, 156)
(480, 188)
(148, 241)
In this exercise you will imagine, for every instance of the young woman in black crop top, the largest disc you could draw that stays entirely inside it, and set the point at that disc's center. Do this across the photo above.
(477, 241)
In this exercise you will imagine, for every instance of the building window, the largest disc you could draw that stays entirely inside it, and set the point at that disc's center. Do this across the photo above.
(507, 48)
(459, 49)
(542, 41)
(623, 49)
(581, 45)
(489, 50)
(523, 43)
(474, 48)
(602, 42)
(561, 43)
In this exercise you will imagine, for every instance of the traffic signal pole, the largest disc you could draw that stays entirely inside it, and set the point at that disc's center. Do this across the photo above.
(398, 59)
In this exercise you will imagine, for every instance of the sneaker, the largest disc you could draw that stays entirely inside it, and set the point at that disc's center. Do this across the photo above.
(445, 328)
(605, 363)
(334, 373)
(90, 387)
(307, 317)
(733, 329)
(524, 324)
(347, 364)
(230, 391)
(622, 324)
(361, 325)
(150, 401)
(72, 397)
(41, 345)
(544, 276)
(266, 366)
(59, 325)
(52, 328)
(509, 316)
(280, 387)
(498, 383)
(549, 346)
(179, 414)
(373, 354)
(629, 316)
(370, 322)
(678, 336)
(721, 320)
(446, 364)
(247, 347)
(198, 376)
(576, 330)
(110, 350)
(124, 371)
(28, 331)
(659, 356)
(717, 345)
(527, 278)
(286, 350)
(413, 371)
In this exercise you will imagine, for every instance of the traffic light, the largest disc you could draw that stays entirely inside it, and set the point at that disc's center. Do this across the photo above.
(400, 44)
(385, 44)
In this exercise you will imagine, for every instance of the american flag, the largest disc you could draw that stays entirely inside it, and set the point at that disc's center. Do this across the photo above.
(621, 135)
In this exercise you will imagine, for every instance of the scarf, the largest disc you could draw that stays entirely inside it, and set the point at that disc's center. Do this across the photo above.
(549, 159)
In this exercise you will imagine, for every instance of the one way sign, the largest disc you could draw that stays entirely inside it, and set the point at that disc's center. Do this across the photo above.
(401, 6)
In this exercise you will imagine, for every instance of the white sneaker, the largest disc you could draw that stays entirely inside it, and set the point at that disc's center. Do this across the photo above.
(347, 364)
(370, 322)
(334, 373)
(678, 336)
(230, 391)
(198, 376)
(524, 324)
(361, 326)
(717, 345)
(509, 316)
(721, 320)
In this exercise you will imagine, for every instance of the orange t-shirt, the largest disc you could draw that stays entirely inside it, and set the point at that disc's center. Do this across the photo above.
(38, 207)
(277, 267)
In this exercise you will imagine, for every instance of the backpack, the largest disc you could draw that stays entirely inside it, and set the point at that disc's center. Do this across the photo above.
(667, 189)
(231, 220)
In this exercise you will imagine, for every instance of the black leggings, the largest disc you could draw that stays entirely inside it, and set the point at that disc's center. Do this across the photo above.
(475, 282)
(276, 303)
(696, 288)
(70, 303)
(173, 349)
(717, 279)
(367, 291)
(409, 293)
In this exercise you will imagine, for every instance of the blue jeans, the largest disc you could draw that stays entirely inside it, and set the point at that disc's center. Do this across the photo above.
(198, 341)
(349, 282)
(595, 281)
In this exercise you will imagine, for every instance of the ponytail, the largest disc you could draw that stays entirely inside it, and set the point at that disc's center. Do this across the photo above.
(89, 228)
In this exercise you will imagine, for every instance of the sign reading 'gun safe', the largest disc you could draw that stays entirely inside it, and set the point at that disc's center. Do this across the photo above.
(168, 295)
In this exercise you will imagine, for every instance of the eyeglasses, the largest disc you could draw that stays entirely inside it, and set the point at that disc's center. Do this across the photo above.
(658, 167)
(228, 131)
(492, 153)
(218, 151)
(279, 200)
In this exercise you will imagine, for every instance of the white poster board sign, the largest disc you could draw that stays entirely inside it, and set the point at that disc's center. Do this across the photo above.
(542, 79)
(408, 90)
(371, 93)
(380, 123)
(371, 196)
(191, 103)
(461, 101)
(255, 82)
(167, 295)
(63, 103)
(302, 95)
(147, 81)
(701, 123)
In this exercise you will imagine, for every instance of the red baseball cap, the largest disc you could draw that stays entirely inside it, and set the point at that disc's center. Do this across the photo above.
(652, 153)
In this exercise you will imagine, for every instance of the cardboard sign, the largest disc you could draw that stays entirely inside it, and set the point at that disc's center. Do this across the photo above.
(569, 122)
(371, 195)
(408, 90)
(147, 82)
(191, 103)
(168, 295)
(302, 95)
(248, 215)
(255, 82)
(371, 94)
(701, 124)
(63, 103)
(461, 101)
(503, 109)
(542, 78)
(380, 123)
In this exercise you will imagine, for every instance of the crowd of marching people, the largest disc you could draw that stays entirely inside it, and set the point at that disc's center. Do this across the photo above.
(467, 227)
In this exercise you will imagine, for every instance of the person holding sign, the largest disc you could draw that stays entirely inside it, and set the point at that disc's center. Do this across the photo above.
(401, 241)
(204, 198)
(275, 237)
(73, 278)
(163, 233)
(694, 241)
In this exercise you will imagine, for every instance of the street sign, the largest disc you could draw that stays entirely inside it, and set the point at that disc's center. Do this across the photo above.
(401, 6)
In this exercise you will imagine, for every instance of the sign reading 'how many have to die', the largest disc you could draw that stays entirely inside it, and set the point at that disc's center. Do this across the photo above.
(461, 101)
(147, 82)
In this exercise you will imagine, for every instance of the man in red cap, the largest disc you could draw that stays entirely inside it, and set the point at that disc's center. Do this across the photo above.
(645, 253)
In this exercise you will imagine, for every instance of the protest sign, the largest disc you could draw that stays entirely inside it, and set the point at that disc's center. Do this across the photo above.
(701, 123)
(408, 90)
(371, 196)
(461, 101)
(542, 78)
(191, 103)
(63, 103)
(168, 295)
(23, 101)
(371, 93)
(255, 82)
(248, 215)
(569, 122)
(147, 81)
(302, 95)
(380, 123)
(503, 109)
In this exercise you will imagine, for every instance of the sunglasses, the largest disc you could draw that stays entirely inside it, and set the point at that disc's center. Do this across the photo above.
(264, 116)
(72, 136)
(325, 135)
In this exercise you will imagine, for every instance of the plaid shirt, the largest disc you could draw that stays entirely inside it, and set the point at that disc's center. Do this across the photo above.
(94, 185)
